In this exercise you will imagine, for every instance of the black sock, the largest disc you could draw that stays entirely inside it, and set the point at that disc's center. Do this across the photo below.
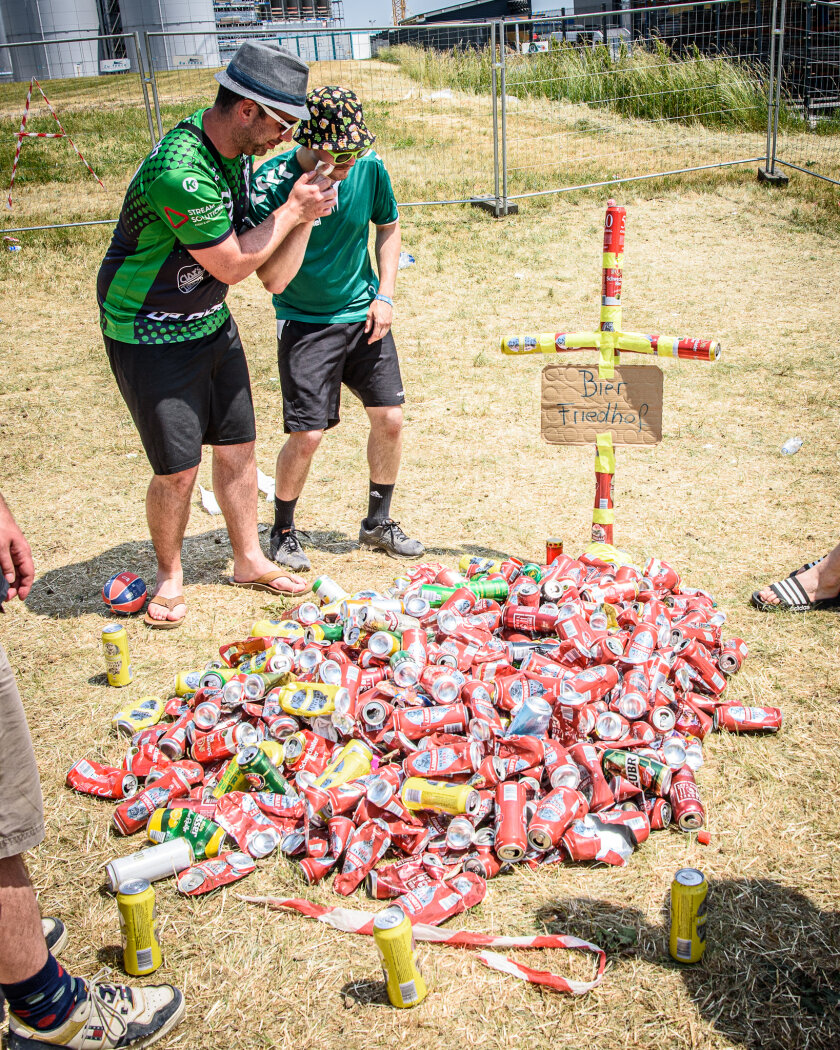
(379, 503)
(284, 514)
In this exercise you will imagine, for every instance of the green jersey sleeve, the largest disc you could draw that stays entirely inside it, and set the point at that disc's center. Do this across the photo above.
(384, 210)
(270, 187)
(188, 200)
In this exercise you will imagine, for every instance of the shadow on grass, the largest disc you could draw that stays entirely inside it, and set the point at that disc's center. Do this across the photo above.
(365, 993)
(76, 589)
(770, 977)
(111, 955)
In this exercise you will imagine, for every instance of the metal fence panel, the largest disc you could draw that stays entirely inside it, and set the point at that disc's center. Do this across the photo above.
(437, 142)
(51, 181)
(809, 140)
(634, 93)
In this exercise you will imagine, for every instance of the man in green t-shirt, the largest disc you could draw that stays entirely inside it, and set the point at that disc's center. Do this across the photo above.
(334, 315)
(182, 238)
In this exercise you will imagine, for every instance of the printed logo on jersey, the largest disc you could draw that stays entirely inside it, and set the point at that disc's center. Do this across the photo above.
(168, 315)
(227, 200)
(206, 215)
(190, 184)
(176, 218)
(189, 277)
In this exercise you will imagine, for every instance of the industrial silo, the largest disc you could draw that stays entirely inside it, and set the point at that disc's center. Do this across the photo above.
(51, 21)
(190, 26)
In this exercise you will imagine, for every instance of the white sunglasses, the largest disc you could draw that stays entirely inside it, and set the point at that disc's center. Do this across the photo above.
(284, 124)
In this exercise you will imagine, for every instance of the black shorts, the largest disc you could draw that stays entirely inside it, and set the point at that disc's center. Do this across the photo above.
(315, 359)
(185, 395)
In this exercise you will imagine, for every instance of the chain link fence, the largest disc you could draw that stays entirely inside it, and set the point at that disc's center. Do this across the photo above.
(438, 142)
(491, 111)
(51, 183)
(632, 94)
(807, 80)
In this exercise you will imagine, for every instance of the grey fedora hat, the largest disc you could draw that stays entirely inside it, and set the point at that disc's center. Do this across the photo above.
(270, 75)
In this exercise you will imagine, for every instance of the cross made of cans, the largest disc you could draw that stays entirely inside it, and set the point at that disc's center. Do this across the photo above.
(604, 403)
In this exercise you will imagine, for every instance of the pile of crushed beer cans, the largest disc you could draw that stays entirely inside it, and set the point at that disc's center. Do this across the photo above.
(426, 738)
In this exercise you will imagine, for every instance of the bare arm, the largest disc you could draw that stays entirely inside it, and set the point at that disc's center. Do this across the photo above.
(240, 255)
(387, 248)
(15, 555)
(285, 262)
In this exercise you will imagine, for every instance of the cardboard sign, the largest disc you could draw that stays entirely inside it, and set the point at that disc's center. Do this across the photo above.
(577, 404)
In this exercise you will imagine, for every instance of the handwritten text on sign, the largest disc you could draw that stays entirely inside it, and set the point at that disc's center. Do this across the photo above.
(577, 404)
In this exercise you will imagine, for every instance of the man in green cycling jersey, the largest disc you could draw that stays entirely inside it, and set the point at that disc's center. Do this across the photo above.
(174, 349)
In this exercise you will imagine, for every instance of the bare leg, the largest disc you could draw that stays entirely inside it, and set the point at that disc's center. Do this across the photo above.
(293, 462)
(235, 487)
(822, 581)
(23, 950)
(167, 512)
(384, 447)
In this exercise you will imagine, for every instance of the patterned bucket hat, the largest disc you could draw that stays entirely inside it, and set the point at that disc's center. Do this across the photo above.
(335, 121)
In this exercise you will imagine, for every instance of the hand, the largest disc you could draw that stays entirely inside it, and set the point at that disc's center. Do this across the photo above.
(378, 322)
(15, 555)
(313, 196)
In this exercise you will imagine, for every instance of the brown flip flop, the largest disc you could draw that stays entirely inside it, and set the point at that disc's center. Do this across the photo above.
(263, 583)
(168, 604)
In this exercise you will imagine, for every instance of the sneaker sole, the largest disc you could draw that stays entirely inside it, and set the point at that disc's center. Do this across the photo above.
(373, 546)
(18, 1042)
(291, 565)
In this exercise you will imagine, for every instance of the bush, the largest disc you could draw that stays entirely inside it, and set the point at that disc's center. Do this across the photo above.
(647, 82)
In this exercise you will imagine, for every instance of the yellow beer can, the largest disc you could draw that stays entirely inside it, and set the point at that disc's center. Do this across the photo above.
(275, 751)
(147, 711)
(688, 915)
(115, 651)
(232, 779)
(186, 682)
(288, 629)
(394, 941)
(308, 699)
(138, 923)
(352, 761)
(440, 795)
(483, 564)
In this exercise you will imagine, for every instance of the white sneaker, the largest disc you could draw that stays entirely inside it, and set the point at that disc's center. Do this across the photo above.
(113, 1015)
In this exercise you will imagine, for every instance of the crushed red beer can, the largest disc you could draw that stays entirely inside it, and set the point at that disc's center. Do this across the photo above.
(93, 778)
(210, 874)
(619, 674)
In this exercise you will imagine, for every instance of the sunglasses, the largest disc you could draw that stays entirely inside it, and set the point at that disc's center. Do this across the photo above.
(286, 125)
(342, 156)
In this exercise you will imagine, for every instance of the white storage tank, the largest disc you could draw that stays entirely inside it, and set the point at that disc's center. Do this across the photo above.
(196, 44)
(51, 21)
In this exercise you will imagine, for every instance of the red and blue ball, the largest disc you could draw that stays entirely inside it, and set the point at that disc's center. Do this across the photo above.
(125, 593)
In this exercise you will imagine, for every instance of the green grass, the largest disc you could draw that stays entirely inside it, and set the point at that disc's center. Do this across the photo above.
(647, 83)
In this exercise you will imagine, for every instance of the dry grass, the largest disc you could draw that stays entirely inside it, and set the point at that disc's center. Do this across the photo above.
(716, 499)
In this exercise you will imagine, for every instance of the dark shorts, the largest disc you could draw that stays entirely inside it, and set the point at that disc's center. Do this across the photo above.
(185, 395)
(21, 805)
(315, 359)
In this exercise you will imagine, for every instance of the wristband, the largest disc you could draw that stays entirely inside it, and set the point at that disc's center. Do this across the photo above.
(385, 299)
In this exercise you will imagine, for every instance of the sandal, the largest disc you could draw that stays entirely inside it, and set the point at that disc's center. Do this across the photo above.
(792, 598)
(264, 583)
(808, 565)
(168, 604)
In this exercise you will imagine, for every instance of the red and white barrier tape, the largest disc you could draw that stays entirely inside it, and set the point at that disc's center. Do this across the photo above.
(24, 134)
(349, 920)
